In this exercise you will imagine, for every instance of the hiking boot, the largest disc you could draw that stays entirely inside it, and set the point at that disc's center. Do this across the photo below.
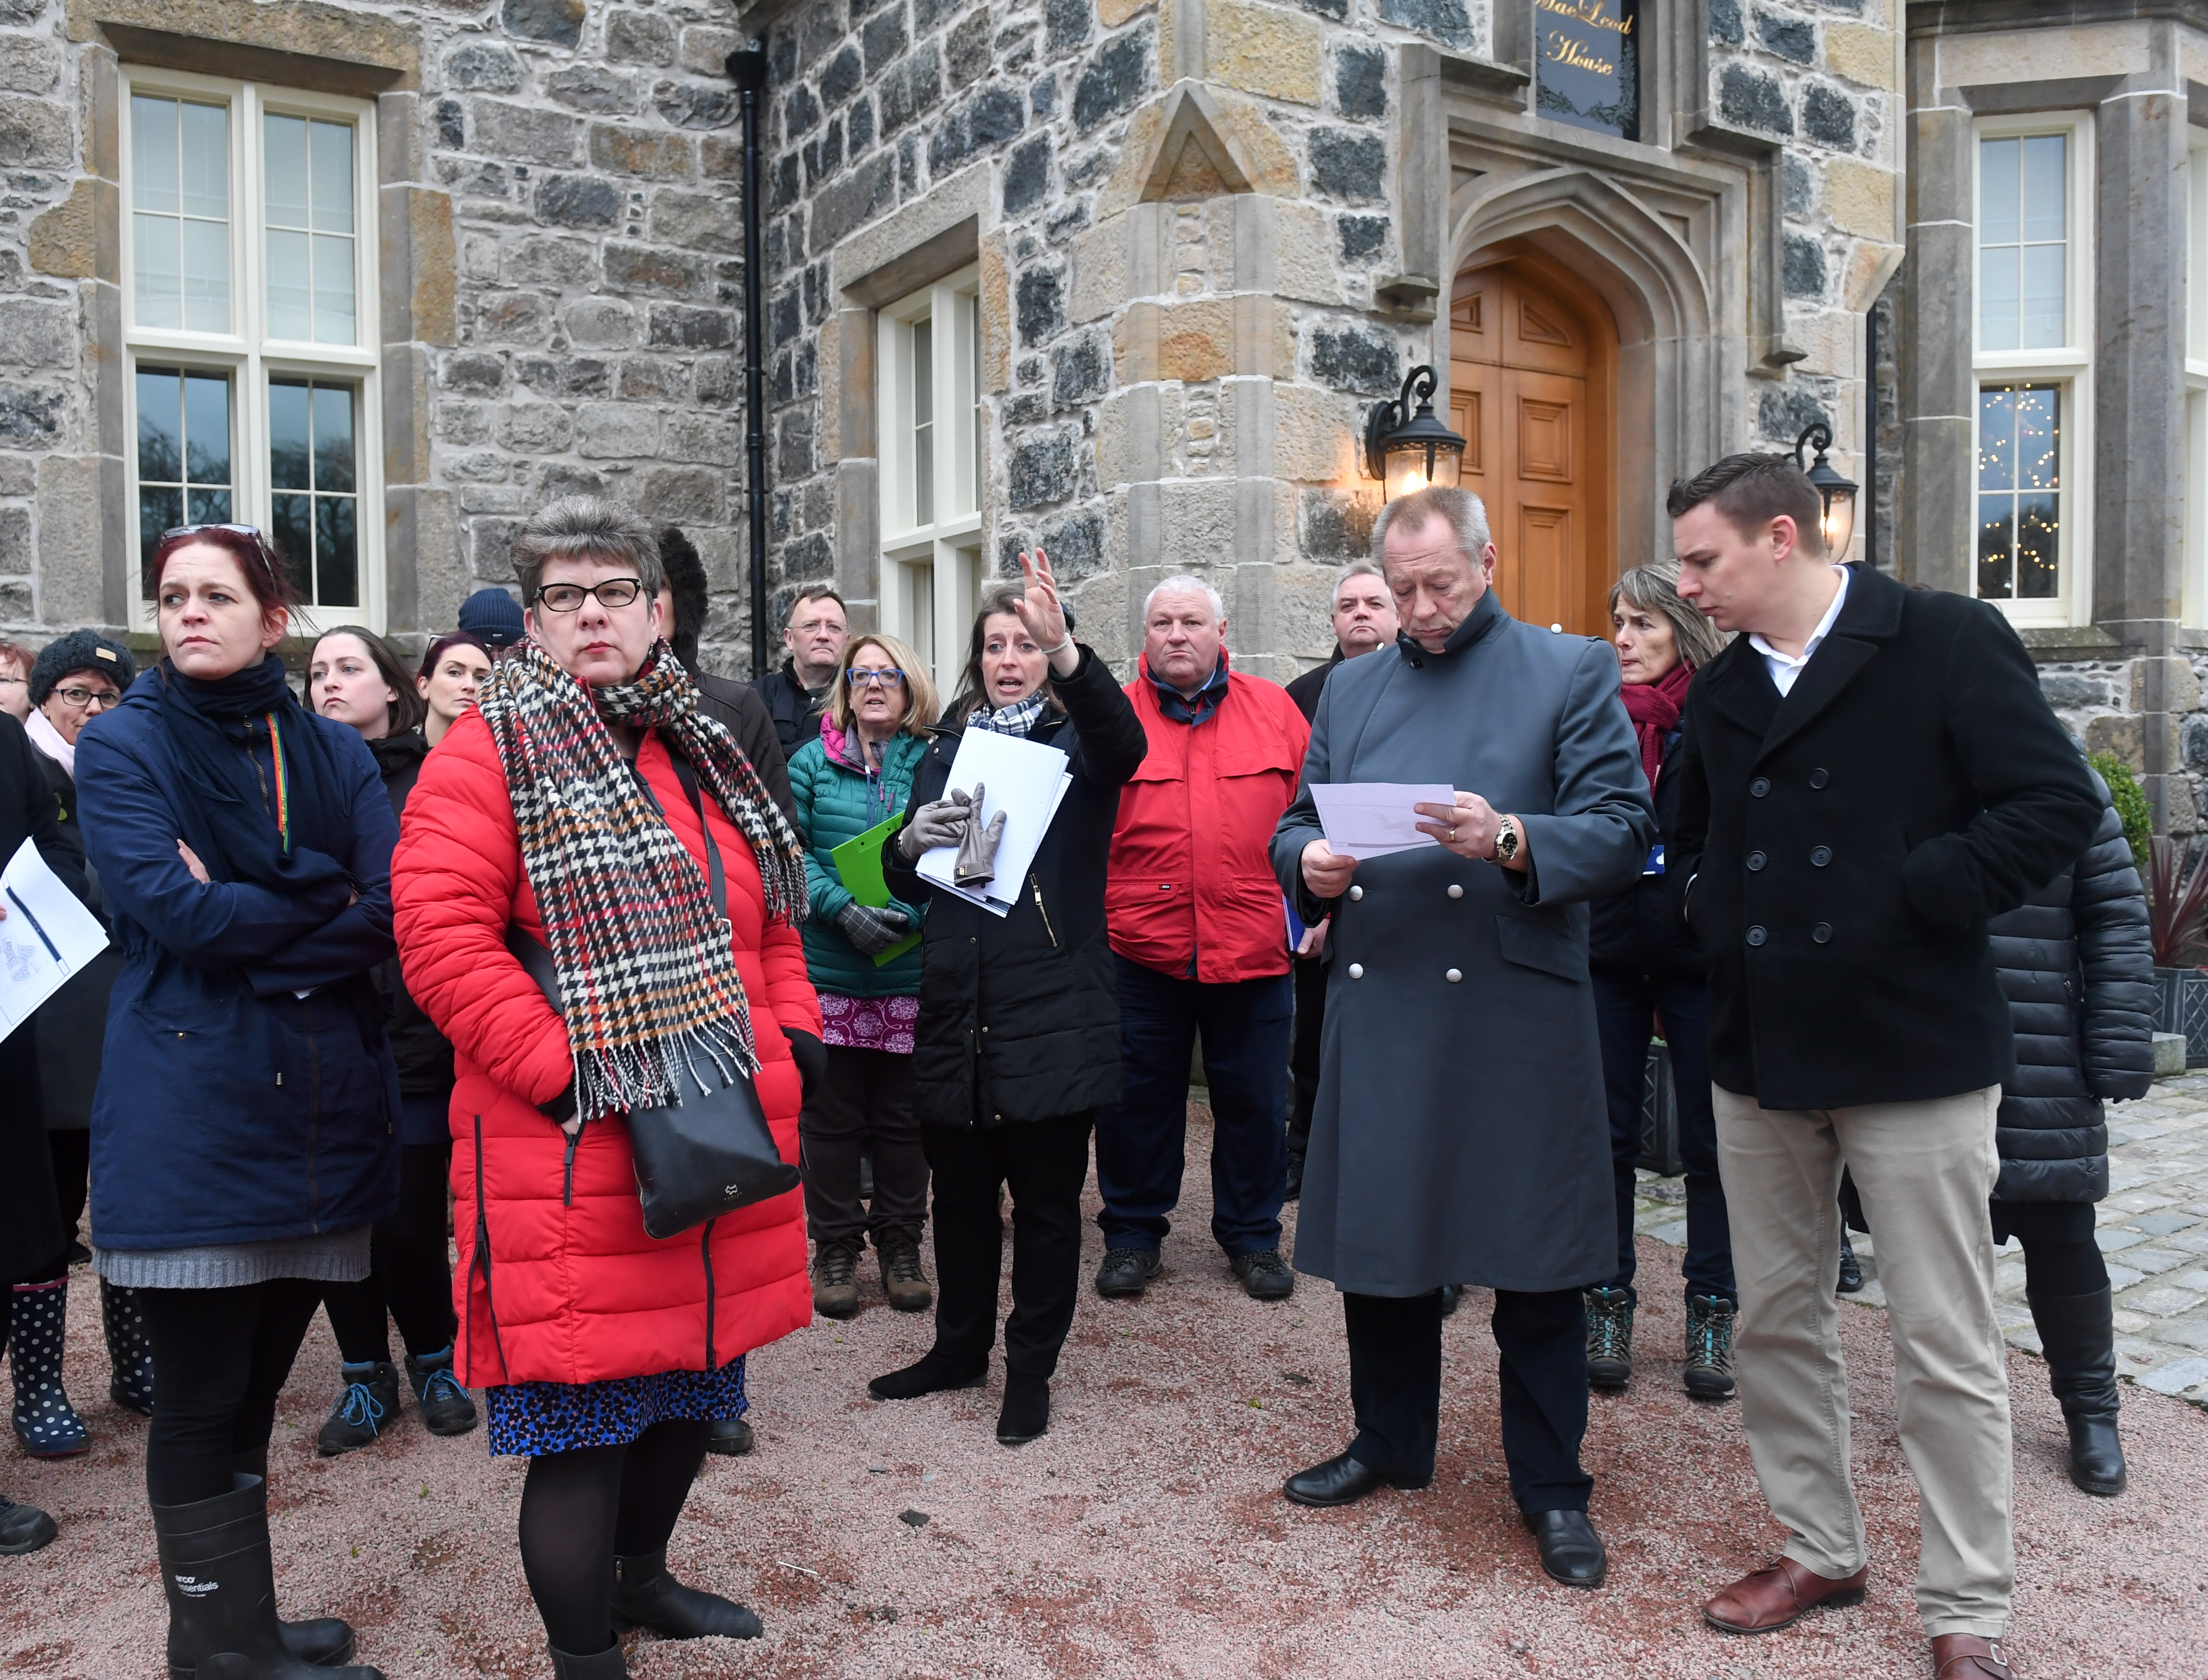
(1264, 1276)
(1295, 1190)
(131, 1355)
(836, 1280)
(444, 1404)
(23, 1528)
(367, 1401)
(46, 1423)
(1126, 1272)
(903, 1280)
(1709, 1347)
(1609, 1338)
(1850, 1279)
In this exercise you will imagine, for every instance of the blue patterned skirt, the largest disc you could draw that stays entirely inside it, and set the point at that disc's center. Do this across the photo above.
(530, 1419)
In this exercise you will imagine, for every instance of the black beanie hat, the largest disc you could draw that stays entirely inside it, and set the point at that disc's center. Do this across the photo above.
(80, 650)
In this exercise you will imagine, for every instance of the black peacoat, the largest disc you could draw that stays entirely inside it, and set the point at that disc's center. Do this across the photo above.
(1019, 1019)
(1840, 851)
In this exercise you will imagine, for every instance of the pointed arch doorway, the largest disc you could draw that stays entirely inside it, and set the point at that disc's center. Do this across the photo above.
(1533, 385)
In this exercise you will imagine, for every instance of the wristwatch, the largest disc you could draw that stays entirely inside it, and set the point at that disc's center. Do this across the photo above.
(1506, 840)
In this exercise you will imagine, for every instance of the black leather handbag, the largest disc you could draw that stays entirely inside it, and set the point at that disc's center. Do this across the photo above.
(712, 1151)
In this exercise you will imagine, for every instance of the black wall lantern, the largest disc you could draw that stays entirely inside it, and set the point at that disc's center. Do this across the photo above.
(1837, 493)
(1408, 450)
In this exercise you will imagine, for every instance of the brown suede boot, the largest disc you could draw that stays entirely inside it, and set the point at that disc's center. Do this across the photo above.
(903, 1280)
(836, 1280)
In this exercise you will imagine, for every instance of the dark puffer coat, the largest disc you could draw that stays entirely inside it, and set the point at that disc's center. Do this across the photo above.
(1019, 1019)
(424, 1054)
(1638, 931)
(2079, 974)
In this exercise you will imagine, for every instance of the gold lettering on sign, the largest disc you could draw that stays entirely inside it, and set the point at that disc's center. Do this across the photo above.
(1563, 50)
(1589, 12)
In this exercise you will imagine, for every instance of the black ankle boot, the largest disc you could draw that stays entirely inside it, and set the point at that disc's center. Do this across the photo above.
(2078, 1333)
(933, 1373)
(646, 1596)
(1026, 1411)
(221, 1585)
(604, 1665)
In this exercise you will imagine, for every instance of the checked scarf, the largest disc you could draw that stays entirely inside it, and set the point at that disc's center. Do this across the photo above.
(645, 973)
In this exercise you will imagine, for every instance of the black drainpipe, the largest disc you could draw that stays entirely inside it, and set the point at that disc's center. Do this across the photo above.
(748, 67)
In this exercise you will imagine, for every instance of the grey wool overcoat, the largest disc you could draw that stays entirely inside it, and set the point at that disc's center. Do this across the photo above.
(1460, 1135)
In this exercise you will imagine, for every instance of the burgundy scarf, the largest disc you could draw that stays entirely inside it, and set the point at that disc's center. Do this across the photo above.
(1655, 709)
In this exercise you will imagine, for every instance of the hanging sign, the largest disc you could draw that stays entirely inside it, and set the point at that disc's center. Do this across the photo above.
(1587, 54)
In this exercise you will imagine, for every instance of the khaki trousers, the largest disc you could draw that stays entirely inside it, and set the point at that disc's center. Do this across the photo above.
(1924, 1170)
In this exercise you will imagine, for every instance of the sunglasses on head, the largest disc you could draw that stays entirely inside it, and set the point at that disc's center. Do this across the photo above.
(210, 525)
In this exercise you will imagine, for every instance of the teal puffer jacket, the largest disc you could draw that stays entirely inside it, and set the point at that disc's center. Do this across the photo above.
(837, 801)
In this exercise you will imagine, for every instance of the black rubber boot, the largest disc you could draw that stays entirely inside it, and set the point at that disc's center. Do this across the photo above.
(2078, 1333)
(221, 1584)
(605, 1666)
(646, 1596)
(131, 1355)
(46, 1423)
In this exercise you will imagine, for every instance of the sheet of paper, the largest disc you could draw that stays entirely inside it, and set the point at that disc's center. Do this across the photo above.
(1371, 819)
(859, 866)
(47, 937)
(1022, 778)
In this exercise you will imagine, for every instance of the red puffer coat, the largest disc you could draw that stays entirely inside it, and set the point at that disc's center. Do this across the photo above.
(575, 1293)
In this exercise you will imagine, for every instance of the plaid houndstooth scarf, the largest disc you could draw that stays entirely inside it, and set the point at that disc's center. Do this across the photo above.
(646, 971)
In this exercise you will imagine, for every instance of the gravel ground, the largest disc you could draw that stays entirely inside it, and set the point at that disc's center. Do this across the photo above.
(1145, 1534)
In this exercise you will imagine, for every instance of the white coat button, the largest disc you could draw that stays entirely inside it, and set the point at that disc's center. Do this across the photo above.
(1455, 891)
(1556, 630)
(1453, 976)
(1355, 893)
(1357, 971)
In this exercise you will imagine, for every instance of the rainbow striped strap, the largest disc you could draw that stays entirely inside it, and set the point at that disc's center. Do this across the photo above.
(283, 792)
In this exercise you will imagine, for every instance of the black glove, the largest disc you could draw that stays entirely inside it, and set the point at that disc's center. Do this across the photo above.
(811, 1056)
(562, 1109)
(874, 932)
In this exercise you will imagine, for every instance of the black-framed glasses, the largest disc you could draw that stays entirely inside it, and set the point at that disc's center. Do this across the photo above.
(888, 677)
(210, 525)
(79, 698)
(614, 592)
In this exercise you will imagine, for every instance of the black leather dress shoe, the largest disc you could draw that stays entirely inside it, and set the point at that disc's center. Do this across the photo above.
(1571, 1551)
(1339, 1481)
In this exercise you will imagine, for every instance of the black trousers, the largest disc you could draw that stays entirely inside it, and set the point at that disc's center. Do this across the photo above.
(1310, 974)
(72, 1153)
(864, 1101)
(1395, 1386)
(223, 1355)
(413, 1272)
(1046, 1163)
(2060, 1255)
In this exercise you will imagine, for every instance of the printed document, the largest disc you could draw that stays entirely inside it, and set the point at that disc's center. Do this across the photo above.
(1021, 778)
(48, 936)
(1371, 819)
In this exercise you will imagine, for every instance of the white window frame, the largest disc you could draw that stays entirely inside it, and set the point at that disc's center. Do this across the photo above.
(2069, 367)
(246, 354)
(2195, 606)
(931, 572)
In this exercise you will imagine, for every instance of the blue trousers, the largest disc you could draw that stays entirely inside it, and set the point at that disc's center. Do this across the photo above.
(1142, 1141)
(1625, 1006)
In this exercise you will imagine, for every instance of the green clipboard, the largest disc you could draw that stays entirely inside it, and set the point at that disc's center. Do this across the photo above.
(858, 865)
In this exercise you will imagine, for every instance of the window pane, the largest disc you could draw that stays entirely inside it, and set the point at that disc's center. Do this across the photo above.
(2019, 449)
(332, 426)
(153, 165)
(204, 156)
(290, 527)
(1995, 544)
(207, 430)
(974, 325)
(333, 177)
(2038, 438)
(160, 426)
(159, 509)
(1997, 299)
(1997, 192)
(337, 563)
(287, 435)
(2040, 323)
(923, 373)
(285, 168)
(2043, 187)
(206, 276)
(209, 507)
(1996, 440)
(2037, 573)
(158, 271)
(289, 298)
(923, 476)
(333, 316)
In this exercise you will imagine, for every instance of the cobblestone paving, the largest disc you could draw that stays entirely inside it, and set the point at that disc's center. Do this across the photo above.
(2153, 1228)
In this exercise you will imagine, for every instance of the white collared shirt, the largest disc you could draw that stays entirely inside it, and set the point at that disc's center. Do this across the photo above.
(1784, 670)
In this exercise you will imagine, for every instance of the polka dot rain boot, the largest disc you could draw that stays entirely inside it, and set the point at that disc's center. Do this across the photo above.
(46, 1423)
(131, 1387)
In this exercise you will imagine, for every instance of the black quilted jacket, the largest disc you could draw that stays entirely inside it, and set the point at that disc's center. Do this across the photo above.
(2078, 974)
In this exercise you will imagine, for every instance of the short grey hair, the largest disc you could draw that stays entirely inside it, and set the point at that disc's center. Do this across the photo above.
(1654, 589)
(1466, 513)
(576, 527)
(1185, 584)
(1355, 569)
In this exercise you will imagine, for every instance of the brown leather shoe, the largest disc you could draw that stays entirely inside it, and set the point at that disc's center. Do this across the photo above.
(1780, 1596)
(1967, 1657)
(903, 1280)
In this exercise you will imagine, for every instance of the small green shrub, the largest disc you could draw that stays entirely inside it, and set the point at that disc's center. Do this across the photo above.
(2138, 816)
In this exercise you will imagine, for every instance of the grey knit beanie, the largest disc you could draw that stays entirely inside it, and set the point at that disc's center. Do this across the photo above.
(80, 650)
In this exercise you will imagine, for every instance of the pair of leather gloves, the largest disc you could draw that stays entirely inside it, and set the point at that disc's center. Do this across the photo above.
(950, 822)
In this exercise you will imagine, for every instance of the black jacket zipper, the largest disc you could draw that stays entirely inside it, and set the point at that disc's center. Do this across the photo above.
(705, 1248)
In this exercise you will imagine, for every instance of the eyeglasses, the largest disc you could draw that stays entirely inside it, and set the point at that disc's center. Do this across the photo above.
(614, 592)
(211, 525)
(79, 698)
(883, 679)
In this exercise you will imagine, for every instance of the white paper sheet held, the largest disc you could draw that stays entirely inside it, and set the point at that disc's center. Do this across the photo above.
(47, 937)
(1370, 819)
(1021, 778)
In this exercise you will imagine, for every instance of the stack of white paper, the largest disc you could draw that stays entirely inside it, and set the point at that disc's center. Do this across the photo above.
(1371, 819)
(47, 937)
(1021, 778)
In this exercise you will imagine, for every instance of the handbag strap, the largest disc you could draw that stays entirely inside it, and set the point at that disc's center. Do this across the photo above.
(688, 777)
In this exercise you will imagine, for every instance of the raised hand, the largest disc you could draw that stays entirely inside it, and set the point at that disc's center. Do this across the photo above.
(1042, 615)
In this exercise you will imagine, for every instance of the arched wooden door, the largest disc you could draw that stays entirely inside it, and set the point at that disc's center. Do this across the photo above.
(1531, 354)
